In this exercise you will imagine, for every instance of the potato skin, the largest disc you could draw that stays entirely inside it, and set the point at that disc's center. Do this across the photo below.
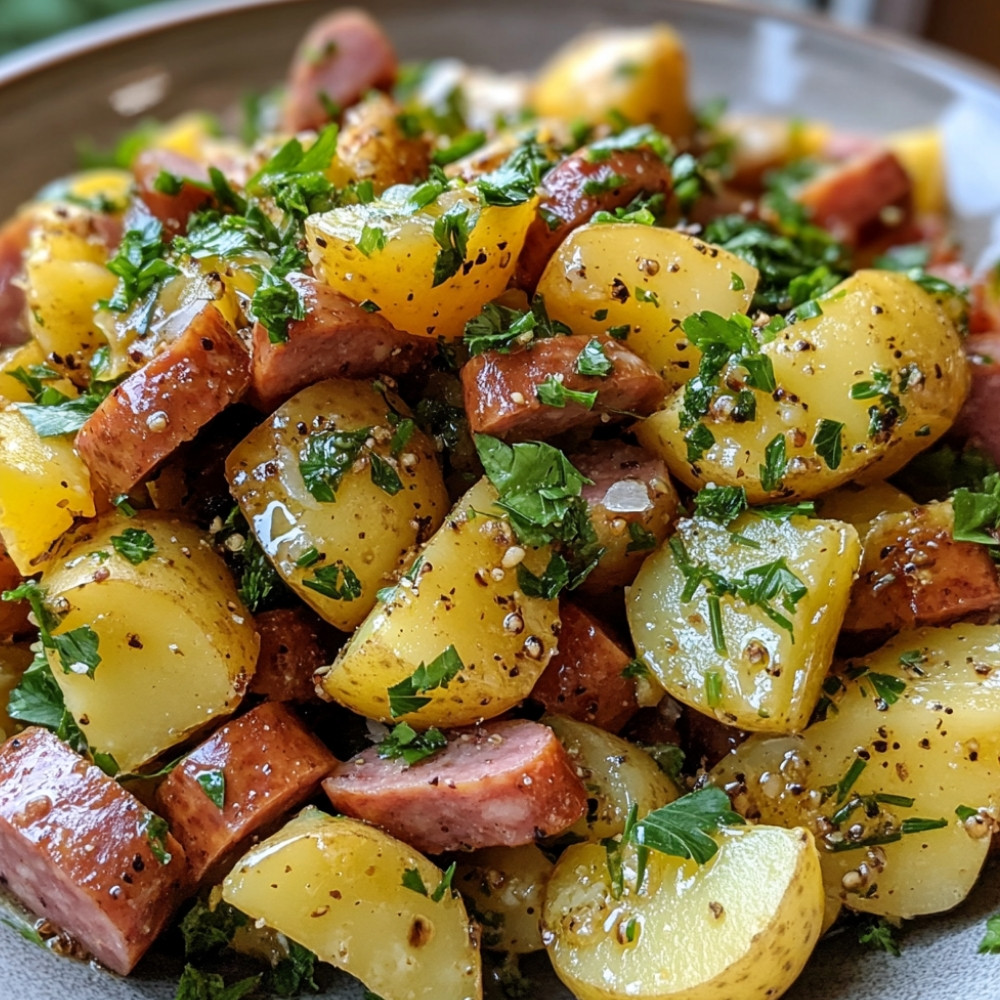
(462, 595)
(874, 322)
(698, 933)
(364, 528)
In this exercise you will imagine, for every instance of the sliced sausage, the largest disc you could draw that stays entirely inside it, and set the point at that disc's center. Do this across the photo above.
(262, 765)
(146, 417)
(502, 783)
(13, 242)
(342, 56)
(576, 189)
(979, 419)
(290, 653)
(632, 505)
(500, 390)
(172, 208)
(337, 339)
(79, 850)
(13, 614)
(861, 201)
(586, 678)
(914, 573)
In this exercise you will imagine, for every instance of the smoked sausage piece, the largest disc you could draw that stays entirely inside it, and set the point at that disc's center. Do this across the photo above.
(502, 783)
(13, 243)
(290, 653)
(79, 850)
(172, 208)
(261, 766)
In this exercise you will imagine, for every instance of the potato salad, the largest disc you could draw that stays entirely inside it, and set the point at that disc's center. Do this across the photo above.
(456, 516)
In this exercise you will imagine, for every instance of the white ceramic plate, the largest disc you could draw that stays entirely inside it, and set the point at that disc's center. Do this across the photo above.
(208, 54)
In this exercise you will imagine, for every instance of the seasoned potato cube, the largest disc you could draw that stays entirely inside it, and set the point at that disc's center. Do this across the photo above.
(899, 780)
(44, 485)
(921, 151)
(861, 505)
(176, 646)
(741, 925)
(740, 623)
(459, 614)
(617, 774)
(429, 269)
(24, 356)
(352, 895)
(640, 283)
(640, 73)
(504, 889)
(338, 485)
(861, 388)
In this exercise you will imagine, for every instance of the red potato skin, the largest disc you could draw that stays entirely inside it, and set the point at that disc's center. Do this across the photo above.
(502, 783)
(499, 390)
(336, 339)
(342, 56)
(271, 764)
(852, 200)
(74, 849)
(156, 409)
(290, 653)
(585, 679)
(13, 242)
(171, 209)
(567, 205)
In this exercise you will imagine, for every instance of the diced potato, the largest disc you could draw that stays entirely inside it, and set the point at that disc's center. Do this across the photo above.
(461, 595)
(761, 665)
(504, 889)
(640, 73)
(400, 276)
(44, 485)
(177, 647)
(361, 527)
(911, 737)
(741, 925)
(24, 356)
(617, 775)
(641, 282)
(342, 889)
(861, 505)
(881, 337)
(14, 660)
(102, 184)
(65, 276)
(921, 151)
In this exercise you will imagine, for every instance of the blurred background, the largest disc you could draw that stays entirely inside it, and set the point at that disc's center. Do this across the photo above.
(968, 26)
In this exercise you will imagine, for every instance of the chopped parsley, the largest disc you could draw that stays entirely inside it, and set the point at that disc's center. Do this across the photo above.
(879, 935)
(775, 465)
(547, 586)
(134, 544)
(336, 581)
(156, 830)
(213, 784)
(828, 442)
(500, 328)
(326, 457)
(642, 540)
(405, 743)
(977, 512)
(990, 944)
(593, 360)
(139, 264)
(451, 231)
(721, 503)
(408, 695)
(552, 392)
(197, 985)
(517, 179)
(372, 240)
(413, 880)
(38, 701)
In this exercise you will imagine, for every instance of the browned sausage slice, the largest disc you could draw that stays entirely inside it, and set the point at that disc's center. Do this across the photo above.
(78, 849)
(337, 339)
(13, 242)
(576, 189)
(503, 783)
(501, 390)
(269, 763)
(13, 614)
(172, 209)
(585, 679)
(165, 403)
(341, 57)
(979, 419)
(290, 653)
(862, 200)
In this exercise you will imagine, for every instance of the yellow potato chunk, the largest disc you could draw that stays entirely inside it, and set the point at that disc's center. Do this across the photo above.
(177, 647)
(410, 260)
(754, 656)
(741, 925)
(342, 889)
(640, 73)
(462, 595)
(640, 283)
(921, 151)
(881, 371)
(335, 543)
(44, 485)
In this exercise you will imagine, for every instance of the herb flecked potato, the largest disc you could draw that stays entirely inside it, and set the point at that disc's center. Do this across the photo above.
(857, 391)
(363, 901)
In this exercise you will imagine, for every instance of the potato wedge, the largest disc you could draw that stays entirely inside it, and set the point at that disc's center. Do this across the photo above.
(457, 597)
(334, 497)
(759, 664)
(351, 894)
(900, 782)
(639, 283)
(861, 388)
(177, 647)
(742, 925)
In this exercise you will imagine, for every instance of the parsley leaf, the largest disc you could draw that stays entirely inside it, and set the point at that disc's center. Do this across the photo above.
(407, 695)
(642, 540)
(500, 328)
(828, 442)
(405, 743)
(276, 303)
(878, 934)
(721, 503)
(372, 240)
(451, 231)
(295, 177)
(213, 784)
(990, 944)
(326, 457)
(554, 578)
(325, 581)
(197, 985)
(134, 544)
(683, 828)
(206, 930)
(139, 263)
(593, 360)
(156, 830)
(413, 881)
(38, 701)
(552, 392)
(516, 180)
(294, 973)
(775, 464)
(977, 513)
